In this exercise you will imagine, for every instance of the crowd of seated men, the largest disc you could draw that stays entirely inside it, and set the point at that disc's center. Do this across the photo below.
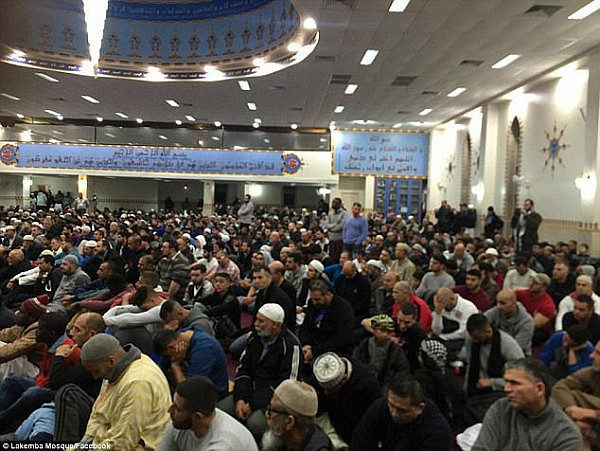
(274, 329)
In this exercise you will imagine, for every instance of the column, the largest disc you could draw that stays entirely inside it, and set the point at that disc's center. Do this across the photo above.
(208, 198)
(369, 194)
(588, 185)
(82, 184)
(27, 182)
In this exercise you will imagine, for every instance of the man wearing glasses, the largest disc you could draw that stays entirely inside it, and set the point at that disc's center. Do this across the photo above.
(291, 419)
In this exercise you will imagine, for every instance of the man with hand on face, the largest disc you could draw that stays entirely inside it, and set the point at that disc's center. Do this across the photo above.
(20, 396)
(450, 316)
(197, 425)
(193, 352)
(20, 339)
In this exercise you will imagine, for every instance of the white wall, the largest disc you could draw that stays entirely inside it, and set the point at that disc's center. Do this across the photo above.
(559, 102)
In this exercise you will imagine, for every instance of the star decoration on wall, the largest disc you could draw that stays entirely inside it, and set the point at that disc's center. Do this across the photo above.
(554, 147)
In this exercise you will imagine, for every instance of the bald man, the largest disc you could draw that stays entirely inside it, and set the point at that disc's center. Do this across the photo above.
(510, 316)
(450, 315)
(132, 407)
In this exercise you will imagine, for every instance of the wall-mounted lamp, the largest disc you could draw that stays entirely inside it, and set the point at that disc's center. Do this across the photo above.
(478, 191)
(586, 184)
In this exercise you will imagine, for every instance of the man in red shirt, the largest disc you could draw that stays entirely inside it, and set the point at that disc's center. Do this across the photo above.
(401, 294)
(540, 305)
(472, 290)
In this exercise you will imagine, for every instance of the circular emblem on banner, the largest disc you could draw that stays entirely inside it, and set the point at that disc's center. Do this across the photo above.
(9, 154)
(291, 163)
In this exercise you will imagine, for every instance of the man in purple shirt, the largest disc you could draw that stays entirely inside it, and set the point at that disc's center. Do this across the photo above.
(355, 230)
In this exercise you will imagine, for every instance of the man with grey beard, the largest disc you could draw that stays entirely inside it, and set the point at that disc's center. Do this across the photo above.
(291, 420)
(272, 355)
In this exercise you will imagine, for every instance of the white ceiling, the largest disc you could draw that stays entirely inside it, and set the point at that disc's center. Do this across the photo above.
(427, 41)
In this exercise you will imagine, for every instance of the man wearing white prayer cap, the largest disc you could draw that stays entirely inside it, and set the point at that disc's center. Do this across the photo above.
(272, 354)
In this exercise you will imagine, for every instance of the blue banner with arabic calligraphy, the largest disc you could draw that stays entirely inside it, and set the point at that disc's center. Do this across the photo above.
(380, 153)
(154, 159)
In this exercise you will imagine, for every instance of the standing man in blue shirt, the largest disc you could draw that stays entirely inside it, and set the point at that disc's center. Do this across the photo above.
(355, 230)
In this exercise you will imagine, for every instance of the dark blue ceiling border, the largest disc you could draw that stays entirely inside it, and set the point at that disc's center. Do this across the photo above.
(125, 10)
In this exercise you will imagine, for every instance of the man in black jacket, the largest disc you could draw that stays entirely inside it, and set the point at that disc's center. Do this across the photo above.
(346, 390)
(328, 324)
(272, 355)
(356, 289)
(269, 292)
(404, 420)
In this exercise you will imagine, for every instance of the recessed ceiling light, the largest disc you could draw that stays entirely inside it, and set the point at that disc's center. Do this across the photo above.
(162, 137)
(323, 140)
(139, 120)
(46, 77)
(364, 122)
(425, 112)
(255, 124)
(457, 92)
(200, 142)
(244, 85)
(99, 119)
(338, 109)
(294, 126)
(267, 140)
(60, 117)
(154, 74)
(53, 140)
(172, 103)
(351, 88)
(8, 96)
(398, 6)
(190, 118)
(217, 124)
(587, 10)
(215, 138)
(508, 59)
(332, 125)
(20, 116)
(258, 120)
(251, 106)
(309, 23)
(123, 115)
(90, 99)
(178, 122)
(52, 112)
(369, 57)
(177, 144)
(110, 135)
